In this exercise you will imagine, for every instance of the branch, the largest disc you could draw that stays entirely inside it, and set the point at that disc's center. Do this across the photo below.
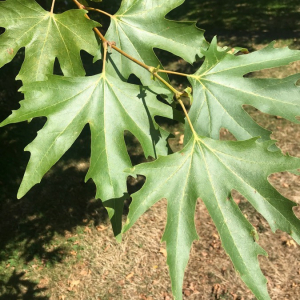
(80, 6)
(148, 68)
(100, 11)
(152, 70)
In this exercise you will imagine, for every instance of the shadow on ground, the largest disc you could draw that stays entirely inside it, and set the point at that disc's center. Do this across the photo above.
(60, 203)
(242, 22)
(235, 22)
(63, 201)
(17, 288)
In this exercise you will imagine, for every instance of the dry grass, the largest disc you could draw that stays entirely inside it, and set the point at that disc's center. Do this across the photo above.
(96, 267)
(136, 268)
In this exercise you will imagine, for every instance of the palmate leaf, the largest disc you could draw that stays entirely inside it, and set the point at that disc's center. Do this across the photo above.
(109, 106)
(210, 170)
(220, 91)
(139, 26)
(45, 36)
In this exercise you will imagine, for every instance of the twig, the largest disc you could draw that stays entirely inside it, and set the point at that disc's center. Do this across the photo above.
(52, 7)
(152, 70)
(99, 10)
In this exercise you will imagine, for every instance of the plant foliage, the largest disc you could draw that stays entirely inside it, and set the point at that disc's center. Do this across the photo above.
(45, 37)
(205, 168)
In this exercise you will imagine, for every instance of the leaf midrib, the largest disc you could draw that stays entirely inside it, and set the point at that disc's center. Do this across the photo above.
(249, 93)
(221, 211)
(162, 183)
(50, 147)
(245, 182)
(254, 63)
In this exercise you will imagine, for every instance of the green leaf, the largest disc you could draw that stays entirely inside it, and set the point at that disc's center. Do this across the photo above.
(84, 2)
(210, 170)
(220, 91)
(188, 91)
(109, 106)
(139, 26)
(45, 36)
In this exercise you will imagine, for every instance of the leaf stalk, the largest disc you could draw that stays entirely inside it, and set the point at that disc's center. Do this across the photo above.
(52, 6)
(104, 56)
(173, 73)
(187, 117)
(152, 70)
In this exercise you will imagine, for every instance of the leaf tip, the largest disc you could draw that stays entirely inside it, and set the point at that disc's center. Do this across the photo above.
(21, 194)
(272, 44)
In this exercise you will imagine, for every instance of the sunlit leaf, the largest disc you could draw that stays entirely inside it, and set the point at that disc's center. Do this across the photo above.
(220, 90)
(45, 36)
(210, 170)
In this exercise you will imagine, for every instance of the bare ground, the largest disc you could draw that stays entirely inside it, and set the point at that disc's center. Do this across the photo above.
(97, 267)
(92, 265)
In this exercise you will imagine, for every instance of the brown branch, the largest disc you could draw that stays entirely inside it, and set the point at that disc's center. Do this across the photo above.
(152, 70)
(99, 10)
(80, 6)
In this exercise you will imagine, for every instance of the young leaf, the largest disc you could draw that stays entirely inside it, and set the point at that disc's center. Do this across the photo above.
(109, 106)
(220, 91)
(45, 36)
(210, 170)
(139, 26)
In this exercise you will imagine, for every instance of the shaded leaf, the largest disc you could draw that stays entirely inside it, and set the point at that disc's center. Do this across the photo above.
(109, 106)
(84, 2)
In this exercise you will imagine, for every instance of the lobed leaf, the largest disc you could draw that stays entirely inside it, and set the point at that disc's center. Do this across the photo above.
(220, 90)
(109, 106)
(45, 36)
(205, 168)
(210, 170)
(139, 26)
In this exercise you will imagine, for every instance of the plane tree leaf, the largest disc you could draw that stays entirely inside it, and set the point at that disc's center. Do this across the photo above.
(109, 106)
(210, 170)
(45, 36)
(205, 168)
(220, 90)
(139, 26)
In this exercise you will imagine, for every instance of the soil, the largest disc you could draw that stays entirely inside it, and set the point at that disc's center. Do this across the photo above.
(64, 247)
(56, 242)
